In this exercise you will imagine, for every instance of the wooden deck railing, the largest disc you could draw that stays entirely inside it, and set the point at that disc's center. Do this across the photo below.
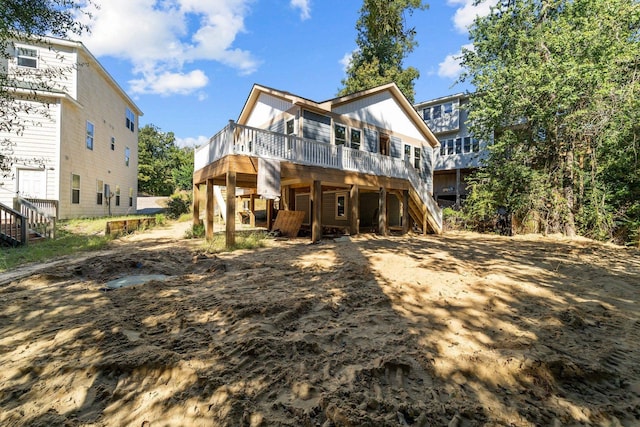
(39, 221)
(13, 226)
(246, 140)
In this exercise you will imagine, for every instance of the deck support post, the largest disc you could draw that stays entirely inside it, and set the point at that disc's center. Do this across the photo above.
(209, 210)
(354, 210)
(284, 199)
(405, 211)
(269, 213)
(458, 188)
(196, 204)
(382, 212)
(252, 210)
(316, 211)
(230, 235)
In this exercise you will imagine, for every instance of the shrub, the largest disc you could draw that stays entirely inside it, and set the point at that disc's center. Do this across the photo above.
(178, 204)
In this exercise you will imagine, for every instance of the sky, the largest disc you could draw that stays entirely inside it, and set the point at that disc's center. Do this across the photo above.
(189, 65)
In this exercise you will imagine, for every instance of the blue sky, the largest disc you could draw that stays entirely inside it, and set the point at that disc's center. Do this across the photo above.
(190, 64)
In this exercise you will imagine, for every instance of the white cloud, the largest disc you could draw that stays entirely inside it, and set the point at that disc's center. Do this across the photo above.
(346, 60)
(192, 142)
(304, 6)
(163, 38)
(468, 11)
(170, 83)
(450, 67)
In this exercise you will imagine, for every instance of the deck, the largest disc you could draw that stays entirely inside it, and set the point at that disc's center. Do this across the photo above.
(236, 148)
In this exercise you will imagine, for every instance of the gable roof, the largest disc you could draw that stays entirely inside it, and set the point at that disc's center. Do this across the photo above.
(331, 104)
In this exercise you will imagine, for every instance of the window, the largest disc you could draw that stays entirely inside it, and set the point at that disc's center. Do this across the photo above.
(356, 135)
(340, 136)
(75, 189)
(341, 205)
(407, 152)
(117, 195)
(27, 57)
(127, 156)
(437, 112)
(130, 197)
(130, 120)
(113, 143)
(290, 127)
(443, 148)
(458, 145)
(476, 145)
(426, 113)
(90, 134)
(449, 146)
(99, 191)
(467, 144)
(416, 159)
(447, 108)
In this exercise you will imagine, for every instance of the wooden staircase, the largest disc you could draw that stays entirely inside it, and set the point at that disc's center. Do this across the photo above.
(25, 223)
(419, 212)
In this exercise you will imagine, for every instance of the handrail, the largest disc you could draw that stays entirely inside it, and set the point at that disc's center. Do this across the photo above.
(247, 140)
(13, 226)
(38, 220)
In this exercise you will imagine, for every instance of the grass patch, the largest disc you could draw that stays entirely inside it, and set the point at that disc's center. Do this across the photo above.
(244, 240)
(72, 236)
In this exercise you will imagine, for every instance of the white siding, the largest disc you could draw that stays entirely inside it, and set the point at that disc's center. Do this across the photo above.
(35, 148)
(383, 111)
(266, 109)
(62, 58)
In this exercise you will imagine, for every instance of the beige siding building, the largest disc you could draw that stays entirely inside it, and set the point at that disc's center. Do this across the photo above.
(79, 146)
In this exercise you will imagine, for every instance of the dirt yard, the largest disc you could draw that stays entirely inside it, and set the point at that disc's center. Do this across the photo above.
(453, 330)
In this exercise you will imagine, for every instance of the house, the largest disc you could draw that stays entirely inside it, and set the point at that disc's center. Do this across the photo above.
(459, 153)
(79, 154)
(358, 162)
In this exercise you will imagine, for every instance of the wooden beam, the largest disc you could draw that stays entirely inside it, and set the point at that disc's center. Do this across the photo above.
(354, 210)
(316, 211)
(405, 211)
(252, 210)
(299, 173)
(382, 212)
(209, 210)
(196, 204)
(230, 235)
(269, 213)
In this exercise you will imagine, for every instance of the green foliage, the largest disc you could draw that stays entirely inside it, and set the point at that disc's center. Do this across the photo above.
(72, 237)
(556, 91)
(383, 43)
(244, 240)
(178, 204)
(163, 167)
(195, 232)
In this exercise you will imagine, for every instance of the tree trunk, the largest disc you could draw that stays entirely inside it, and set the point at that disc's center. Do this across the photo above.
(567, 182)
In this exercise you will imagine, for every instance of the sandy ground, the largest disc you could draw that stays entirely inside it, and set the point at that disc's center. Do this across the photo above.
(453, 330)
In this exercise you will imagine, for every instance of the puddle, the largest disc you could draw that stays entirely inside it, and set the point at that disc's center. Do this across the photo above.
(134, 280)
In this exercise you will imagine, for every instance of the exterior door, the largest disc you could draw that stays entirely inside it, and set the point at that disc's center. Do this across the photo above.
(32, 183)
(384, 144)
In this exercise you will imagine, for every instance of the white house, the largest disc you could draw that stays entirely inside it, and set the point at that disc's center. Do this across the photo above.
(358, 161)
(81, 151)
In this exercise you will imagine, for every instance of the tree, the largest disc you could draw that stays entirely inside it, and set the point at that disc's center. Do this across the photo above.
(383, 44)
(163, 167)
(556, 89)
(28, 20)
